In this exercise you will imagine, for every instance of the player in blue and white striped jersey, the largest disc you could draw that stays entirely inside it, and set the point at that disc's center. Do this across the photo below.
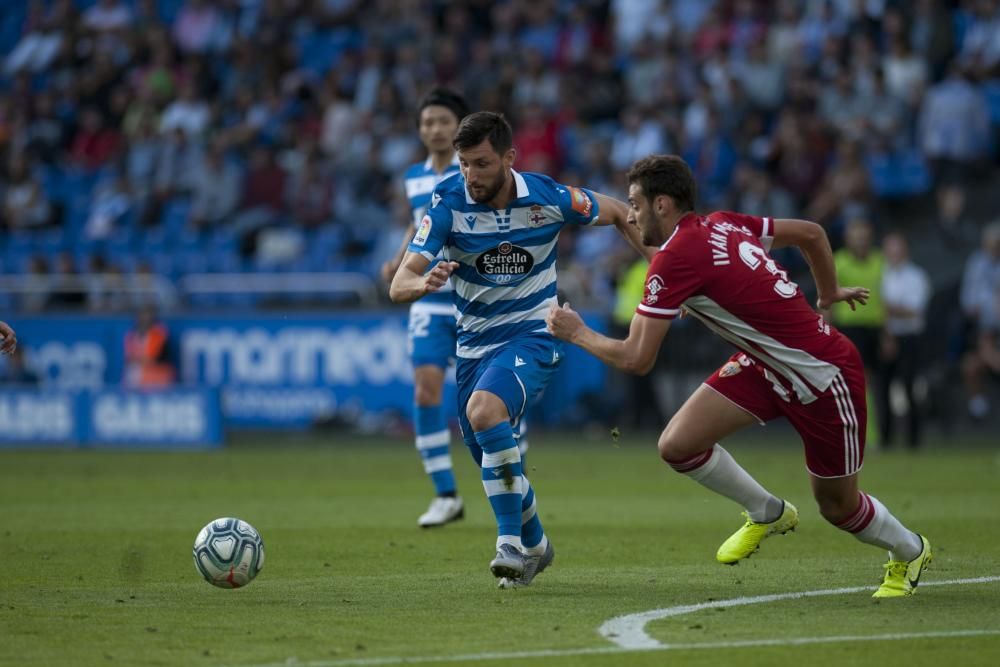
(498, 231)
(432, 324)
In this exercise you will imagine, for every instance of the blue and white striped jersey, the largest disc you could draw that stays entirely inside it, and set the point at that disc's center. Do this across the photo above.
(419, 181)
(506, 279)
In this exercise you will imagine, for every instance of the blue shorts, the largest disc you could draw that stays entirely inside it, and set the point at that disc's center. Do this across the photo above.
(531, 360)
(432, 337)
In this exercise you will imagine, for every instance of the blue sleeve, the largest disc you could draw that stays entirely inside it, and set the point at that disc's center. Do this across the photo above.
(433, 230)
(578, 206)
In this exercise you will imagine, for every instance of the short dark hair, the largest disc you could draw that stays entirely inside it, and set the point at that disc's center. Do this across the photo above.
(665, 175)
(484, 125)
(447, 98)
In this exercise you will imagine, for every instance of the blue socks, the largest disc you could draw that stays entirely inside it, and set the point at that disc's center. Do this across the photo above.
(502, 480)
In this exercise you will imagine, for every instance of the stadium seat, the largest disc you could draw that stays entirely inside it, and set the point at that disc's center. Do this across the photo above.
(899, 174)
(175, 215)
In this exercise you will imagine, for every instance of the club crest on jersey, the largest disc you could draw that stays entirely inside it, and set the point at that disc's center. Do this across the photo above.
(507, 264)
(653, 288)
(579, 201)
(729, 369)
(535, 216)
(423, 231)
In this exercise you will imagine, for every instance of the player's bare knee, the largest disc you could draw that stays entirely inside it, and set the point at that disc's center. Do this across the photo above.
(427, 394)
(671, 447)
(675, 445)
(485, 410)
(664, 446)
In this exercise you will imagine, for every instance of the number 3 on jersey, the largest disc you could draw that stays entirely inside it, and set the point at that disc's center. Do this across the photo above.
(753, 256)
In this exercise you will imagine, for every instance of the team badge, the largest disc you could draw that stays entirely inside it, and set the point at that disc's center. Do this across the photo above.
(535, 216)
(423, 231)
(580, 202)
(730, 369)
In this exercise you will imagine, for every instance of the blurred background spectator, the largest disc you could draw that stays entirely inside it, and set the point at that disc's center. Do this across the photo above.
(906, 293)
(147, 352)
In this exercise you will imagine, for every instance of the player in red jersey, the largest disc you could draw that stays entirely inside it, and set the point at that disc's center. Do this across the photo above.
(790, 363)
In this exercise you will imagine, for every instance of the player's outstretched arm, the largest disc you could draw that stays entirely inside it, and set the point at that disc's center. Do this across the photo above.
(8, 339)
(811, 239)
(410, 282)
(390, 267)
(636, 354)
(615, 212)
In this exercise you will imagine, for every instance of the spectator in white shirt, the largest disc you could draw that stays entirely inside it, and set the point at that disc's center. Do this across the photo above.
(980, 300)
(906, 291)
(188, 113)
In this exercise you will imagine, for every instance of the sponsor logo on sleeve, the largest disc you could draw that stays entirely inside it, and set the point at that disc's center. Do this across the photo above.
(580, 201)
(435, 199)
(423, 231)
(653, 288)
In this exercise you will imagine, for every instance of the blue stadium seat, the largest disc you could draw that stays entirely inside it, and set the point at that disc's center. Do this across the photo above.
(175, 214)
(161, 263)
(153, 241)
(11, 20)
(221, 260)
(899, 174)
(190, 261)
(78, 183)
(51, 241)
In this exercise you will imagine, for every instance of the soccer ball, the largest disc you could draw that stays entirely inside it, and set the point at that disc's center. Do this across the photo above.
(229, 553)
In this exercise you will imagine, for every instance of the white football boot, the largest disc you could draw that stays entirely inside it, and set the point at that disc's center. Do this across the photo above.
(443, 509)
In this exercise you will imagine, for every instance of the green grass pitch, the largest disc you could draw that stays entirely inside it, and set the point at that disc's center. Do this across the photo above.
(96, 569)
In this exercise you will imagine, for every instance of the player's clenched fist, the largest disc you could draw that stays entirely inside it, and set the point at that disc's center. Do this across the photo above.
(438, 276)
(8, 340)
(563, 323)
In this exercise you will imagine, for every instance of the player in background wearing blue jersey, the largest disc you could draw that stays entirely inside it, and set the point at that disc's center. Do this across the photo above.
(432, 324)
(498, 230)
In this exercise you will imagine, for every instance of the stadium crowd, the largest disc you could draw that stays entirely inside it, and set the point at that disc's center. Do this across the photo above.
(170, 137)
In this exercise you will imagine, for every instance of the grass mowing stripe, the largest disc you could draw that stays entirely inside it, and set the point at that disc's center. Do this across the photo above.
(748, 643)
(629, 631)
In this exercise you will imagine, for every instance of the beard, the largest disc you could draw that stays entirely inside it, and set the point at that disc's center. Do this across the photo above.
(651, 236)
(488, 191)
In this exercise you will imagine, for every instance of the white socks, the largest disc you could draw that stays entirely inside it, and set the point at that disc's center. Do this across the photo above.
(718, 471)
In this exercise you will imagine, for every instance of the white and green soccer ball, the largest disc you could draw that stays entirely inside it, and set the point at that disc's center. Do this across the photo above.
(229, 553)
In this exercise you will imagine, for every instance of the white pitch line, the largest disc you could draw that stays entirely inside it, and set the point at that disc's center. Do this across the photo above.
(629, 631)
(632, 637)
(564, 653)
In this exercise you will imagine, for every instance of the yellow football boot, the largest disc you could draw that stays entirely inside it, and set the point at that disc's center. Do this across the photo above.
(901, 577)
(747, 539)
